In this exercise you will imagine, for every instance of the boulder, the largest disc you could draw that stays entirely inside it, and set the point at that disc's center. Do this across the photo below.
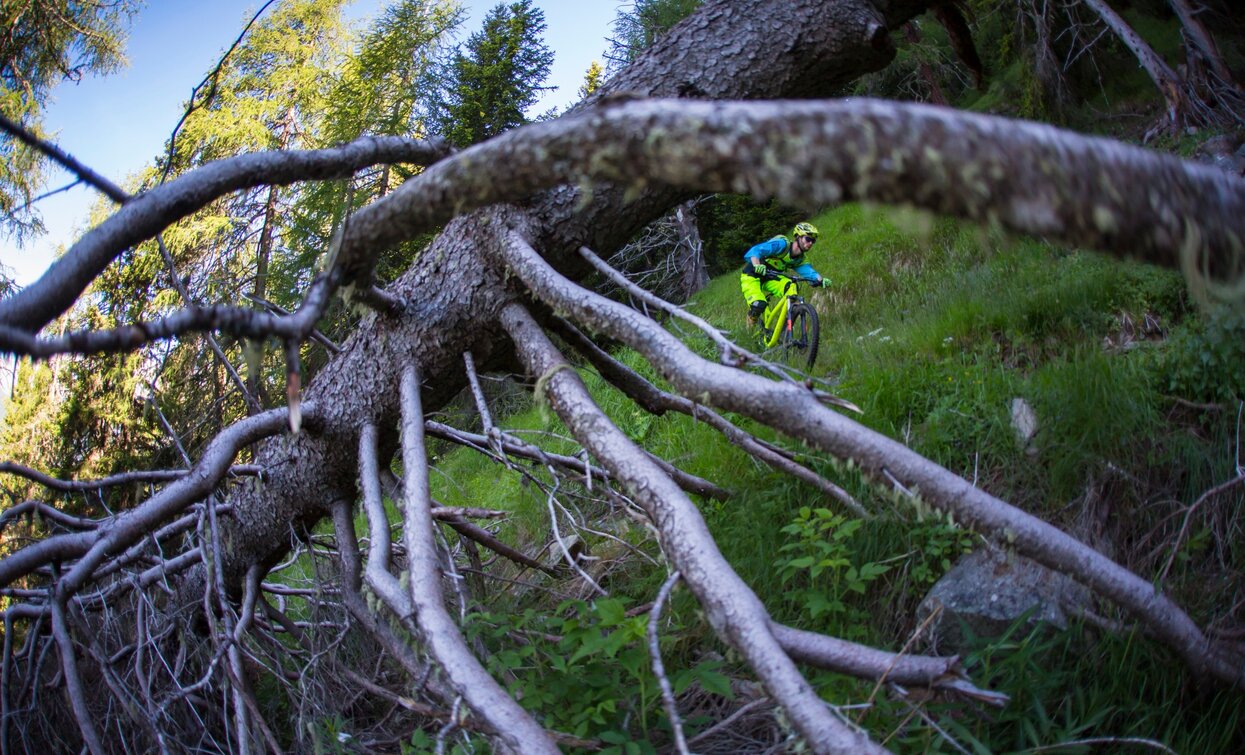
(1226, 152)
(1025, 425)
(988, 590)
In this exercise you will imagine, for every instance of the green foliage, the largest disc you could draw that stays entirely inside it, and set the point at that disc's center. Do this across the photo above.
(329, 736)
(45, 43)
(1097, 347)
(1205, 357)
(377, 90)
(594, 77)
(1060, 695)
(1092, 409)
(938, 544)
(100, 427)
(909, 337)
(820, 571)
(489, 85)
(8, 286)
(586, 669)
(731, 224)
(374, 92)
(1052, 63)
(636, 28)
(936, 364)
(271, 91)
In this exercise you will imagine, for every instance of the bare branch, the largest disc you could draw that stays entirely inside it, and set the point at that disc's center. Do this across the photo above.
(516, 447)
(123, 478)
(149, 213)
(733, 610)
(352, 580)
(659, 670)
(657, 401)
(378, 576)
(315, 335)
(1188, 515)
(66, 160)
(482, 536)
(238, 321)
(789, 408)
(131, 526)
(866, 662)
(46, 511)
(380, 300)
(834, 142)
(1087, 191)
(170, 266)
(727, 350)
(73, 679)
(511, 724)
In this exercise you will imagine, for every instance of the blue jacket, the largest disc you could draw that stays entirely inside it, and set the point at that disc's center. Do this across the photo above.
(776, 255)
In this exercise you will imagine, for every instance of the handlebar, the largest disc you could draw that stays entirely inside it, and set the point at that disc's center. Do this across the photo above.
(770, 276)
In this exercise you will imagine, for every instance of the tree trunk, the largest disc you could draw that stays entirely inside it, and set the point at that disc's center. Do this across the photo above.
(475, 289)
(1165, 79)
(912, 33)
(725, 51)
(1199, 43)
(1046, 64)
(690, 252)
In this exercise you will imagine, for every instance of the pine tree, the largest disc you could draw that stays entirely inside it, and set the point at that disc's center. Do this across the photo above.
(375, 92)
(378, 91)
(593, 79)
(490, 84)
(636, 30)
(43, 44)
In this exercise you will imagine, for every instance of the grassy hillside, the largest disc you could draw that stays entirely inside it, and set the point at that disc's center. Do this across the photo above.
(933, 329)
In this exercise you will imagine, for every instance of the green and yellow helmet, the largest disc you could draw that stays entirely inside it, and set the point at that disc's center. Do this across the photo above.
(805, 229)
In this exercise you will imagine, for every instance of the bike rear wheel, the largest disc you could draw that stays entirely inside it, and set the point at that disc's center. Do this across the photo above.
(802, 337)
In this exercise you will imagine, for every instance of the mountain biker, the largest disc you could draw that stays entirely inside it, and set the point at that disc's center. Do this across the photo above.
(762, 262)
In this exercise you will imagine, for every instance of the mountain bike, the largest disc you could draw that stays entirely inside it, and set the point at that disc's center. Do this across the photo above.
(789, 325)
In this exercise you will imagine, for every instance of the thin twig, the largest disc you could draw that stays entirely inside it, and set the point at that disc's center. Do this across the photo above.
(84, 174)
(1188, 515)
(512, 725)
(659, 670)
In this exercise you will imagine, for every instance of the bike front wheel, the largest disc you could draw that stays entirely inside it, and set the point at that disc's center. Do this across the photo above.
(802, 336)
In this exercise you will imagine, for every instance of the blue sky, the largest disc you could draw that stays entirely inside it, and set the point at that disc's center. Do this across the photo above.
(118, 123)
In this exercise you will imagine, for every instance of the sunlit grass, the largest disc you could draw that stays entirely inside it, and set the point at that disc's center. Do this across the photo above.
(935, 329)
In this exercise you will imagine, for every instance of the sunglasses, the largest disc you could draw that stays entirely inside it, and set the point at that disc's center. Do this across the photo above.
(809, 239)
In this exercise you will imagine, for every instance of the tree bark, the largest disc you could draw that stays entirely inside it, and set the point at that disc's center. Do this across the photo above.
(1200, 42)
(690, 254)
(725, 50)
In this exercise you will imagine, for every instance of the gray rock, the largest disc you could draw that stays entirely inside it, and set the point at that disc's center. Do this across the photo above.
(1226, 152)
(1025, 424)
(989, 590)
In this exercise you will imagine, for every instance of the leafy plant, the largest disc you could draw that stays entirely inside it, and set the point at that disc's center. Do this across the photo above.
(821, 562)
(938, 543)
(586, 669)
(1205, 360)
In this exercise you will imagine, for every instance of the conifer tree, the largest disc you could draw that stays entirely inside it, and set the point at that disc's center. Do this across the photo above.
(43, 44)
(593, 78)
(637, 28)
(491, 83)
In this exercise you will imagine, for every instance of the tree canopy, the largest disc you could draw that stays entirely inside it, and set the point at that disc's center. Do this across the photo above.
(46, 42)
(500, 72)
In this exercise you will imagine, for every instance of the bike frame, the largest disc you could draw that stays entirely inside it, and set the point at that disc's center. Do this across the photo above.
(775, 317)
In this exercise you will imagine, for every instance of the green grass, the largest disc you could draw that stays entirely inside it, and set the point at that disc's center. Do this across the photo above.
(933, 328)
